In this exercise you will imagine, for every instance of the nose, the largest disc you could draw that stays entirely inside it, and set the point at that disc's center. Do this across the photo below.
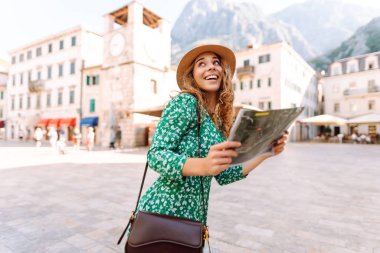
(211, 66)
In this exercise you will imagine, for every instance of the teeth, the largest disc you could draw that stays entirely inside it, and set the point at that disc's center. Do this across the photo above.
(211, 77)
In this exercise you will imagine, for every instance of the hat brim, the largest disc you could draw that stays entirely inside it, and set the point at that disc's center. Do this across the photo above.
(224, 52)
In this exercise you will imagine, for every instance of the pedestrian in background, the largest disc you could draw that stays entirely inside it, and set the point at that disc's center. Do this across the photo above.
(118, 137)
(38, 135)
(61, 143)
(20, 134)
(90, 139)
(112, 139)
(53, 137)
(77, 137)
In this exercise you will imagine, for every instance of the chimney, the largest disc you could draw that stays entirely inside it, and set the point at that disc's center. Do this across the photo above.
(251, 43)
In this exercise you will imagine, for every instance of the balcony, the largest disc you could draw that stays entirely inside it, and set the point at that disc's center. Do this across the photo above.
(355, 92)
(245, 71)
(36, 85)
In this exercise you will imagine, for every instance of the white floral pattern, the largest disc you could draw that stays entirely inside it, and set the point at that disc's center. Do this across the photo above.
(174, 141)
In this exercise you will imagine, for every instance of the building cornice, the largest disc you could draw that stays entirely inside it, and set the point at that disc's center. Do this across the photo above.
(54, 36)
(352, 73)
(356, 57)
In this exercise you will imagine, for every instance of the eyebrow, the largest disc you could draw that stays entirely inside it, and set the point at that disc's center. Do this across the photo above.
(202, 58)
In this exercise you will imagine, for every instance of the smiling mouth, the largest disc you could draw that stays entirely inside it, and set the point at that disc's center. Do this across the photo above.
(211, 77)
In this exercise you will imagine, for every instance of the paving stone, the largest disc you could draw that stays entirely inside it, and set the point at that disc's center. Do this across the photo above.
(98, 248)
(4, 249)
(79, 241)
(314, 198)
(59, 246)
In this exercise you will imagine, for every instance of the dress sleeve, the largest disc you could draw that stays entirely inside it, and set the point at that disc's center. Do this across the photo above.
(176, 120)
(230, 175)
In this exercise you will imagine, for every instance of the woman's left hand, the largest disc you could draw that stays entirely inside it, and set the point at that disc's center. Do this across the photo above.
(280, 143)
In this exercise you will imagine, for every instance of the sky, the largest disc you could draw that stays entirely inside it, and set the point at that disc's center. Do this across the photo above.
(24, 21)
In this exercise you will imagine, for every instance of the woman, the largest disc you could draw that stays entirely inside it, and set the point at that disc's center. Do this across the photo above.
(204, 75)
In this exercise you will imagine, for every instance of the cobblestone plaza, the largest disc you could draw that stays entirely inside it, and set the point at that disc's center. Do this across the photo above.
(314, 198)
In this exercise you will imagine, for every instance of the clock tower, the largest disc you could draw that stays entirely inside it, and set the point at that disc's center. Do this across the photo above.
(136, 56)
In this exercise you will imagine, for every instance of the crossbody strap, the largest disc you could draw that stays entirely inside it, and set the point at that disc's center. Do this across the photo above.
(199, 155)
(143, 180)
(205, 228)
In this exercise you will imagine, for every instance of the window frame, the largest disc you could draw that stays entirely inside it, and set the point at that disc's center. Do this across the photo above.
(92, 105)
(71, 97)
(73, 41)
(61, 44)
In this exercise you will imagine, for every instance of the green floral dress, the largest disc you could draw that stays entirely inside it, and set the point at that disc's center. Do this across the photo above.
(174, 141)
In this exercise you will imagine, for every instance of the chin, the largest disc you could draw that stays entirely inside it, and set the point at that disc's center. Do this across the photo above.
(211, 89)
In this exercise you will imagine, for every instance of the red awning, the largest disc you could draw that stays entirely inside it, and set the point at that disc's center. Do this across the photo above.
(2, 124)
(68, 122)
(53, 122)
(42, 122)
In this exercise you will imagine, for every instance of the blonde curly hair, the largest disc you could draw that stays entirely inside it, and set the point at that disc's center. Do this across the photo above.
(223, 115)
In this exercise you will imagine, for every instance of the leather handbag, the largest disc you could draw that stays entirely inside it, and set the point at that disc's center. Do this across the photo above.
(157, 233)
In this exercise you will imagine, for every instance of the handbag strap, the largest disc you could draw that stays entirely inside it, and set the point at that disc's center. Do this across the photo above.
(205, 227)
(199, 155)
(133, 213)
(143, 180)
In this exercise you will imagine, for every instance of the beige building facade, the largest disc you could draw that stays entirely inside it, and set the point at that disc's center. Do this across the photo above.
(4, 66)
(351, 89)
(274, 76)
(44, 82)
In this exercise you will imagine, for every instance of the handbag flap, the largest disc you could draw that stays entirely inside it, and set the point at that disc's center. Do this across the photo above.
(151, 228)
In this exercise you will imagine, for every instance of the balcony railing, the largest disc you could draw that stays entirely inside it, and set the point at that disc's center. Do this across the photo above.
(246, 70)
(36, 85)
(353, 92)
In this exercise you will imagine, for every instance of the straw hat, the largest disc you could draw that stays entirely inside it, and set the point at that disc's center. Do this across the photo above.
(224, 52)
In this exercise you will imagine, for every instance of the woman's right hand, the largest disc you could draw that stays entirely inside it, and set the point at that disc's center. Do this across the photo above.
(219, 157)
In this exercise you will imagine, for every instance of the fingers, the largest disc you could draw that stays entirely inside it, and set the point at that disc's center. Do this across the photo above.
(222, 161)
(279, 147)
(223, 153)
(280, 143)
(220, 156)
(226, 145)
(282, 139)
(278, 150)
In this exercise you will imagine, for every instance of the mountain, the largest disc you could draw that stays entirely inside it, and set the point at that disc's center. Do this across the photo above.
(326, 23)
(234, 24)
(365, 40)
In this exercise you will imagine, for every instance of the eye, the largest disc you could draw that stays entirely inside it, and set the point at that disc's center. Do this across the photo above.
(217, 62)
(201, 64)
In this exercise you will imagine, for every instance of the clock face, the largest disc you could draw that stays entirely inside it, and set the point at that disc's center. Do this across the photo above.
(117, 44)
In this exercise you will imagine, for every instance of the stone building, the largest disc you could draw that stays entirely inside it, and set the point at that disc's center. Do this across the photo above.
(274, 76)
(44, 81)
(3, 88)
(351, 89)
(135, 74)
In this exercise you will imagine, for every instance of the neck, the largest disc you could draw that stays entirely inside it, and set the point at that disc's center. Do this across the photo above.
(211, 101)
